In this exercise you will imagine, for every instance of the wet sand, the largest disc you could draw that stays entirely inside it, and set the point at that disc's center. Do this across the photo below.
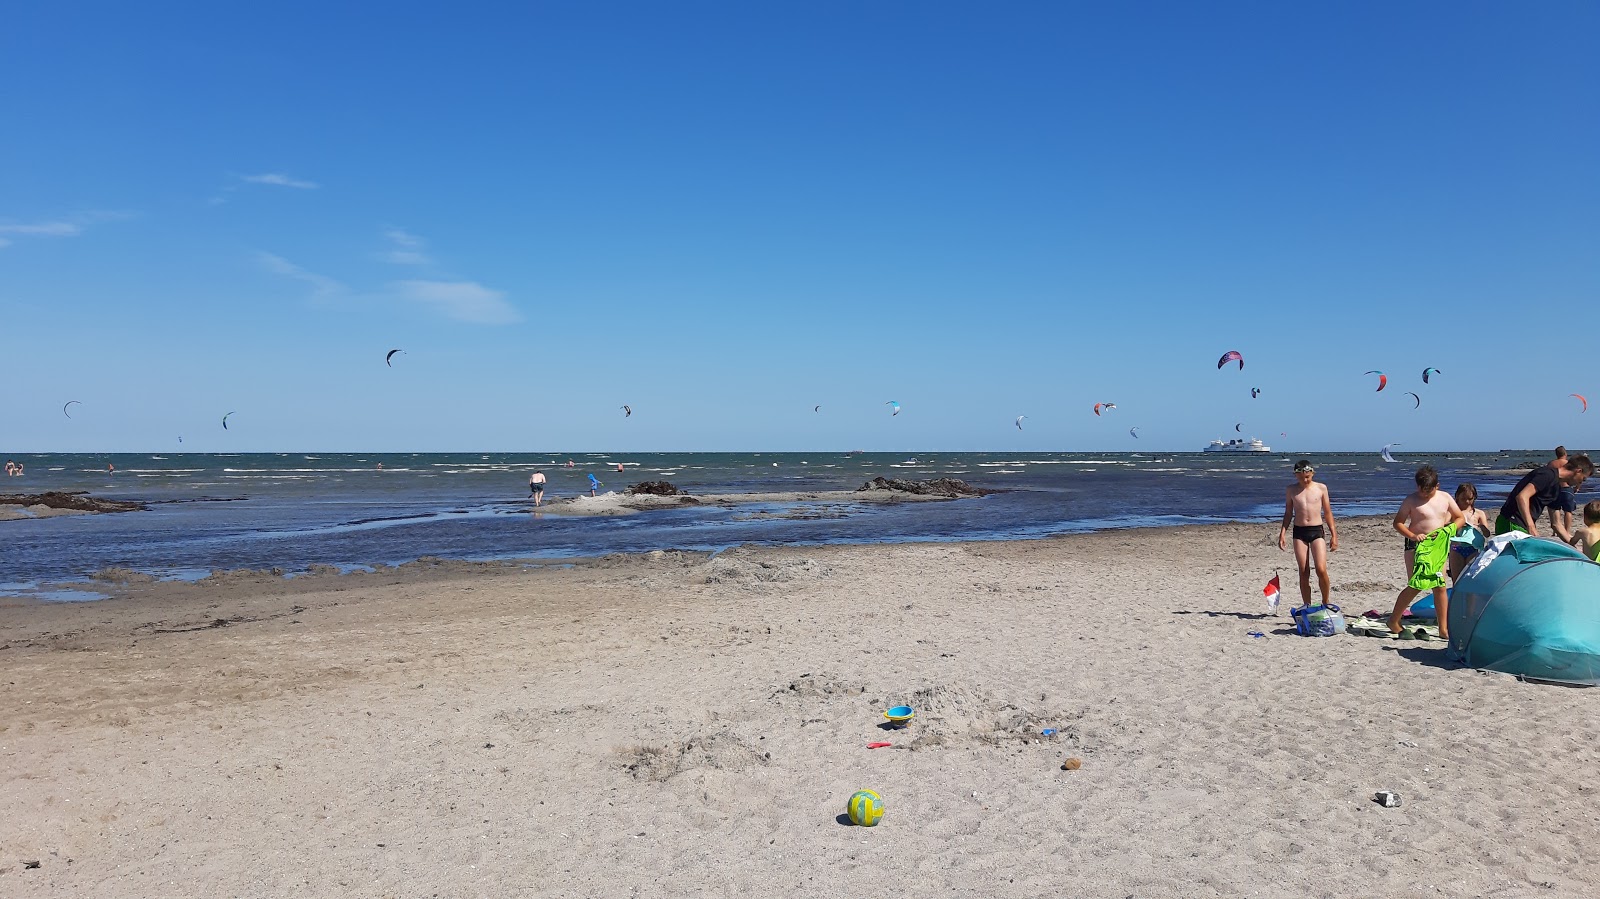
(670, 724)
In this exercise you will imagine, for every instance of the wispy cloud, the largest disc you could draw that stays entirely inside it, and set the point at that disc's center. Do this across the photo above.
(405, 248)
(278, 179)
(466, 301)
(271, 179)
(69, 226)
(322, 286)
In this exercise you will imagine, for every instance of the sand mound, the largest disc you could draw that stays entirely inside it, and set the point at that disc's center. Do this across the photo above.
(721, 751)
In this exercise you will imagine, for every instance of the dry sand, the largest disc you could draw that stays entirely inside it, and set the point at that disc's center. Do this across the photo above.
(673, 725)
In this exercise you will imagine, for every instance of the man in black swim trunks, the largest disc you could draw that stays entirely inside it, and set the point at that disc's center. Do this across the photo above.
(1538, 490)
(1306, 507)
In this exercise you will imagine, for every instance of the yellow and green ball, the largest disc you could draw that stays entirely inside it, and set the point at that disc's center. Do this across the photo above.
(865, 808)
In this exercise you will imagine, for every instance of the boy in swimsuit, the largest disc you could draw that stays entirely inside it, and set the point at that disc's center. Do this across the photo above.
(1477, 520)
(1430, 519)
(1589, 538)
(1306, 507)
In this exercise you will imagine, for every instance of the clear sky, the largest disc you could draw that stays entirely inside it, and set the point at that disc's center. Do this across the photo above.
(724, 214)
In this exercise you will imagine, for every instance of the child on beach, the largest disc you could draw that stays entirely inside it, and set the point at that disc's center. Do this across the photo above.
(594, 485)
(1476, 520)
(1429, 518)
(1589, 539)
(1306, 508)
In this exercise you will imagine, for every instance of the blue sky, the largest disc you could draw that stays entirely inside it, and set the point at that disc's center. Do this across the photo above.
(725, 214)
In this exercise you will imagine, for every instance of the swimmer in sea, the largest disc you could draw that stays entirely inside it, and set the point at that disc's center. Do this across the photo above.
(1306, 508)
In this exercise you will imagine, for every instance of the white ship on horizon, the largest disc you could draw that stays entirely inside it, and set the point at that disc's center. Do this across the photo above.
(1236, 445)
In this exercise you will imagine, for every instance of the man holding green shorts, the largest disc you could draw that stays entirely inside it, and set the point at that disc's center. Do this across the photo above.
(1538, 490)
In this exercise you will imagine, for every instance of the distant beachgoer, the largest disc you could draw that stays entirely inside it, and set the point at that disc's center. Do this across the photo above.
(1476, 520)
(111, 469)
(1589, 540)
(594, 485)
(1538, 490)
(380, 466)
(11, 468)
(570, 465)
(1306, 507)
(619, 466)
(1429, 518)
(536, 487)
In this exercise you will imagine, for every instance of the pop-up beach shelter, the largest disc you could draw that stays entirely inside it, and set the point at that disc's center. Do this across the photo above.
(1531, 608)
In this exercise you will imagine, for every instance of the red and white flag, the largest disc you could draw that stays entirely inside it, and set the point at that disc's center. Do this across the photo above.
(1271, 591)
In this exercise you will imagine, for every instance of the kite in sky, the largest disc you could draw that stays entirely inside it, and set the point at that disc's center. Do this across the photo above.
(389, 357)
(816, 408)
(627, 411)
(69, 403)
(1134, 432)
(1582, 399)
(1383, 379)
(1255, 392)
(1425, 373)
(1231, 356)
(1019, 421)
(1106, 406)
(1416, 399)
(225, 421)
(896, 408)
(1239, 427)
(1386, 456)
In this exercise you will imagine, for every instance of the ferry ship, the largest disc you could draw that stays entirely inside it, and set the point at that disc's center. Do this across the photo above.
(1238, 446)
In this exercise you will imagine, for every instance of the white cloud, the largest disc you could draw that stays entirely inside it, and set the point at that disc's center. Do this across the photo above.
(44, 229)
(322, 285)
(70, 226)
(278, 179)
(466, 301)
(405, 248)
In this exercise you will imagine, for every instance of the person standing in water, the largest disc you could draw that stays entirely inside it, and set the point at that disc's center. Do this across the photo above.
(1306, 508)
(536, 487)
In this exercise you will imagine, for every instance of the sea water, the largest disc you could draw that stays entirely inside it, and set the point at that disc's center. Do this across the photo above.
(292, 510)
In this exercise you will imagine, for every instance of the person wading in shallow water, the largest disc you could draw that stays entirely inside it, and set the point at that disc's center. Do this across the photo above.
(536, 487)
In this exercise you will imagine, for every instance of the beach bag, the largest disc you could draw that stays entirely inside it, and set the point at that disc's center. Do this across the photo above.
(1318, 621)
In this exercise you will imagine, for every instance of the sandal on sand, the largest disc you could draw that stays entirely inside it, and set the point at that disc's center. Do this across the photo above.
(1404, 635)
(1420, 634)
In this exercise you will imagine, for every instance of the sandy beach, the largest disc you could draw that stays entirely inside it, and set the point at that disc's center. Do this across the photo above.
(670, 724)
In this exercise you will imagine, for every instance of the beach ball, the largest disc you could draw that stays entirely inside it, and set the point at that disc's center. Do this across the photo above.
(865, 808)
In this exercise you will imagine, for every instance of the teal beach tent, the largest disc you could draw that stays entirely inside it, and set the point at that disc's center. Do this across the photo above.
(1533, 610)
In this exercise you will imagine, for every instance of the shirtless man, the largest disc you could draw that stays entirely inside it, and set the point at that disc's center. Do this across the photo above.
(536, 483)
(1305, 506)
(1430, 518)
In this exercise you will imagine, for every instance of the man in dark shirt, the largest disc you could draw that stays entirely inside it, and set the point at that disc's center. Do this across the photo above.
(1539, 489)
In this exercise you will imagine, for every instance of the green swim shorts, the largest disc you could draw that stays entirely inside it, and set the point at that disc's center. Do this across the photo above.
(1433, 553)
(1504, 525)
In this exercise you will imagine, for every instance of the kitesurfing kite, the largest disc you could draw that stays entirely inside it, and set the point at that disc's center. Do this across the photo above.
(1106, 406)
(1019, 421)
(1255, 392)
(816, 408)
(389, 357)
(1416, 399)
(1383, 379)
(627, 411)
(1582, 399)
(1231, 356)
(1425, 372)
(225, 421)
(69, 403)
(1134, 432)
(896, 408)
(1386, 456)
(1239, 427)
